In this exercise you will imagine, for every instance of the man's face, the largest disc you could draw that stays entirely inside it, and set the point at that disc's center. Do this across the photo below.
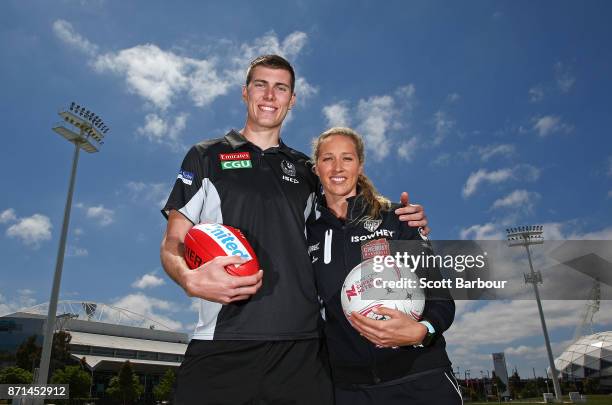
(268, 97)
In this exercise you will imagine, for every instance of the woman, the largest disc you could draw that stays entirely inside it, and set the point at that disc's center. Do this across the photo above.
(395, 361)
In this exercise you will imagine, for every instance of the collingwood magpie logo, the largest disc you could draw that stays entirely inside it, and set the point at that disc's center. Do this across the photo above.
(372, 224)
(288, 168)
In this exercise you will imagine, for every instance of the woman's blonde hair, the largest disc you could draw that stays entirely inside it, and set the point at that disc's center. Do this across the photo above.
(375, 201)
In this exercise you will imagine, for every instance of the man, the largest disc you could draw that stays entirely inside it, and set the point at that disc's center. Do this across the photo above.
(257, 339)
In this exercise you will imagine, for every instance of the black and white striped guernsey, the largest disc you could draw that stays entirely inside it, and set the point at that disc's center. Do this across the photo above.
(268, 195)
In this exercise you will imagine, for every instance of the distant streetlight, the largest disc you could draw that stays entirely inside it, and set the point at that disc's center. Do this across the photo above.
(91, 132)
(533, 235)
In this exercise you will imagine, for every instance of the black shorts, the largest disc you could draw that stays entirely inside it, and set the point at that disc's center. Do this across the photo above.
(254, 372)
(438, 387)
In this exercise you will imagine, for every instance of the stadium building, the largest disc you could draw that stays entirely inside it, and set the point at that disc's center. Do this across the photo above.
(588, 357)
(105, 337)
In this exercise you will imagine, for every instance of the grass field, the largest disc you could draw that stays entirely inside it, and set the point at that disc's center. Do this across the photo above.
(591, 400)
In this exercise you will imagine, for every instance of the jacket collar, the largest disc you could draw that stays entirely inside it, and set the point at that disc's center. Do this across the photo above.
(357, 208)
(237, 140)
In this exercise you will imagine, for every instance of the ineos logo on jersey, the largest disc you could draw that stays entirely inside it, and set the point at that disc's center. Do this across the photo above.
(226, 240)
(288, 168)
(291, 180)
(379, 233)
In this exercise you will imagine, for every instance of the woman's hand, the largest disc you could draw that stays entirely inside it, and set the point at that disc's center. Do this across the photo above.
(398, 330)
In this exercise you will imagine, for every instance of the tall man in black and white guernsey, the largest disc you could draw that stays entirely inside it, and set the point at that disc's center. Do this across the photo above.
(257, 340)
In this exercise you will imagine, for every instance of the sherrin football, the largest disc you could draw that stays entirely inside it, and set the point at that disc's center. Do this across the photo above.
(363, 291)
(206, 241)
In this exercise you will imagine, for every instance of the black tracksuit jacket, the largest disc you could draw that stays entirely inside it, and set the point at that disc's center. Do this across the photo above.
(355, 360)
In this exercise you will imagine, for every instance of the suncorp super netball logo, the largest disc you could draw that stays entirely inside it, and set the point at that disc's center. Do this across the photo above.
(227, 240)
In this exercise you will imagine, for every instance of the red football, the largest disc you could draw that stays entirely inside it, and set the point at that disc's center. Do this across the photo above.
(206, 241)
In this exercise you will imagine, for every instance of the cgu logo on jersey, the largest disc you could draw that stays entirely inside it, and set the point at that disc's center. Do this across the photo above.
(230, 244)
(236, 160)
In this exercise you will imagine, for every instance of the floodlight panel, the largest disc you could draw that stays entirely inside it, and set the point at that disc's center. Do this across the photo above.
(74, 119)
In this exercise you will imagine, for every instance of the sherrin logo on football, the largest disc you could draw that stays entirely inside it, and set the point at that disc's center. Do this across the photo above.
(206, 241)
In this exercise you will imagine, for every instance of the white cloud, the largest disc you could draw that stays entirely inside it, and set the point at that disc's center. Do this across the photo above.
(523, 172)
(481, 176)
(8, 215)
(489, 151)
(154, 74)
(31, 230)
(375, 118)
(104, 216)
(563, 76)
(610, 194)
(407, 149)
(304, 90)
(75, 251)
(550, 124)
(149, 280)
(442, 159)
(453, 97)
(443, 124)
(518, 199)
(536, 94)
(376, 114)
(24, 299)
(609, 167)
(337, 115)
(150, 307)
(158, 129)
(65, 32)
(160, 77)
(488, 231)
(150, 192)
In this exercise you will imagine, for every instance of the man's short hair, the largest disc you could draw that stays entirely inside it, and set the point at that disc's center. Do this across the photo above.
(272, 62)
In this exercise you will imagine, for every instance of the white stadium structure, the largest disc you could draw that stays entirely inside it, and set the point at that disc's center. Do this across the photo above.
(105, 337)
(588, 357)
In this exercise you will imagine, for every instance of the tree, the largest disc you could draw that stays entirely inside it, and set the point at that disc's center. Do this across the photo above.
(163, 391)
(590, 385)
(60, 355)
(529, 390)
(125, 387)
(15, 375)
(28, 354)
(78, 379)
(514, 383)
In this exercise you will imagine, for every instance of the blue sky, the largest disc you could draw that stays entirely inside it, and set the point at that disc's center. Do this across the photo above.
(489, 113)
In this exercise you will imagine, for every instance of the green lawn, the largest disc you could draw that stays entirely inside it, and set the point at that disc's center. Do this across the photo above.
(591, 400)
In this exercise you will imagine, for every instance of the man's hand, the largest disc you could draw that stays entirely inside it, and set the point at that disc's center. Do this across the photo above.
(209, 281)
(413, 214)
(399, 330)
(212, 283)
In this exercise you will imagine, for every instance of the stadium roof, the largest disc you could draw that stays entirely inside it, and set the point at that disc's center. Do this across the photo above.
(126, 343)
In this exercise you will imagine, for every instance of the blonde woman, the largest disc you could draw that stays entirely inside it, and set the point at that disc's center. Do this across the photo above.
(396, 361)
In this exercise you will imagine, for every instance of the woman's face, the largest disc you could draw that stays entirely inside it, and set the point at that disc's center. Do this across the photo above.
(338, 166)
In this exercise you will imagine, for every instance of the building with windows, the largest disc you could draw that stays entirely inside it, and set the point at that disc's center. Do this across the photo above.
(104, 337)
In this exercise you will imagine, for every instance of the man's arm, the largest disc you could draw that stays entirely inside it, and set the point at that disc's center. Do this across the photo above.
(209, 281)
(412, 214)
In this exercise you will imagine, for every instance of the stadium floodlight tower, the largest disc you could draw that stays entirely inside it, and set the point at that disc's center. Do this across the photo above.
(533, 235)
(90, 136)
